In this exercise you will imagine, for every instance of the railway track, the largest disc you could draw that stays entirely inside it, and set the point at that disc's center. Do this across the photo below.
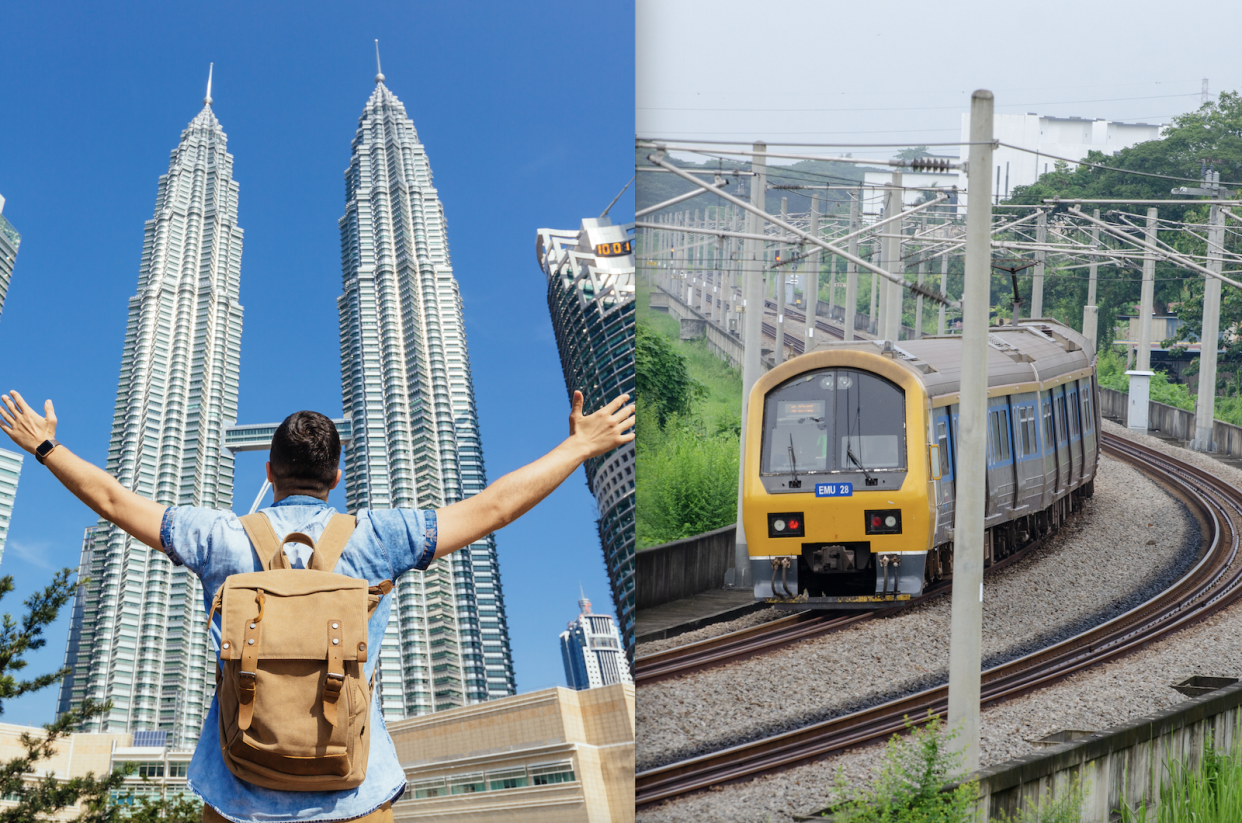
(1213, 583)
(776, 634)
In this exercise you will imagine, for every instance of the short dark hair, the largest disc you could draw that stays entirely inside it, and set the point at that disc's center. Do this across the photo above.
(306, 450)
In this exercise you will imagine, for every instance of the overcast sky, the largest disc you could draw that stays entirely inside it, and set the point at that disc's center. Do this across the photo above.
(887, 71)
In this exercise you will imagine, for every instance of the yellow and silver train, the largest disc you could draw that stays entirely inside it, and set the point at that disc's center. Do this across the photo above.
(851, 460)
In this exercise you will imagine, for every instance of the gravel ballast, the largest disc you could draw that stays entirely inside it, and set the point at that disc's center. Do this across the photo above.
(1094, 699)
(714, 630)
(1098, 566)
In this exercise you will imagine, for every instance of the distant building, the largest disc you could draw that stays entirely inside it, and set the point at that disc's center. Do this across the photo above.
(590, 276)
(592, 651)
(1049, 138)
(9, 242)
(10, 470)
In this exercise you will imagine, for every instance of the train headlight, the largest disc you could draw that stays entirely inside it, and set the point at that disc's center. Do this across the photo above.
(885, 521)
(786, 524)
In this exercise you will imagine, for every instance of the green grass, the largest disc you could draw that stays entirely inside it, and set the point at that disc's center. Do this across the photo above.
(1210, 794)
(687, 469)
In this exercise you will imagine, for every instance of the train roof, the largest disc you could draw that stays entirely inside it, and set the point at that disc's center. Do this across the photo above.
(1032, 351)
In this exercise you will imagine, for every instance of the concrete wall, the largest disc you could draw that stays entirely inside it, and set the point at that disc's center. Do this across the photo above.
(1173, 421)
(1123, 764)
(683, 568)
(725, 345)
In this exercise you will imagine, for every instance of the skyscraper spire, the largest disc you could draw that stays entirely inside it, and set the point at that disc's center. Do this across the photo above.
(207, 99)
(379, 73)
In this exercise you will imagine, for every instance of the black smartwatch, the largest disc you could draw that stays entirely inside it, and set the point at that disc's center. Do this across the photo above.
(44, 449)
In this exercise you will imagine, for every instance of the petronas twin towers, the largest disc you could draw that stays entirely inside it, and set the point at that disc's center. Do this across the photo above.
(138, 635)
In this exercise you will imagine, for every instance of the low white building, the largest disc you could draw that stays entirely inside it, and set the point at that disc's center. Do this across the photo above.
(1049, 138)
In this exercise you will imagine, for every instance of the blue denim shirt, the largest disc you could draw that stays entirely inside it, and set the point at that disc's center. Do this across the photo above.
(213, 545)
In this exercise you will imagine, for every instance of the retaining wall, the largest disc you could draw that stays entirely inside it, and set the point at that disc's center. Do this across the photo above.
(1173, 421)
(683, 568)
(1122, 764)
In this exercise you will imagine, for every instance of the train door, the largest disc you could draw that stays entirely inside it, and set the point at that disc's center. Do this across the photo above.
(947, 502)
(1062, 440)
(1074, 430)
(1049, 449)
(1000, 459)
(1028, 462)
(1085, 393)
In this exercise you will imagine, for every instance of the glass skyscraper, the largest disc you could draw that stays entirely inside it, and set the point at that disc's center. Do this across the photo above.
(138, 633)
(10, 462)
(10, 470)
(590, 276)
(408, 394)
(592, 652)
(10, 240)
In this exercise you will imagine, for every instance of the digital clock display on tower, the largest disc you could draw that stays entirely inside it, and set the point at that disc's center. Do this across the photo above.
(612, 249)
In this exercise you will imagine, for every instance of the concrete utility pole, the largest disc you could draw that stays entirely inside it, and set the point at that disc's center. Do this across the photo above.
(918, 302)
(967, 608)
(851, 268)
(1205, 408)
(890, 252)
(1037, 288)
(779, 277)
(810, 289)
(1140, 377)
(752, 340)
(944, 289)
(1091, 311)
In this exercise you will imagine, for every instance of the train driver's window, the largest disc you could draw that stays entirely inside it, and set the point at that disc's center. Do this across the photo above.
(863, 412)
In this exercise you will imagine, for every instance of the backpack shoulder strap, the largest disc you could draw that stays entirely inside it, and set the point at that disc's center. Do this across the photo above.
(263, 537)
(332, 542)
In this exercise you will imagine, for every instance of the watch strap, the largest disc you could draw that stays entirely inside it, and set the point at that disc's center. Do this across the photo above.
(44, 449)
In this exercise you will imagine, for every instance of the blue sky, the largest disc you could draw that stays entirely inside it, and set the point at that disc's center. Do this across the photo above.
(527, 112)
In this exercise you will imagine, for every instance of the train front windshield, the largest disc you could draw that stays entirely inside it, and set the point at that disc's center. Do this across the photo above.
(834, 420)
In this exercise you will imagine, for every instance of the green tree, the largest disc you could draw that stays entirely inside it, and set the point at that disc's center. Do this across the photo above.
(660, 378)
(41, 797)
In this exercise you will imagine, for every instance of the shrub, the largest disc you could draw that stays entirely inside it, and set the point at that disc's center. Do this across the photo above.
(687, 479)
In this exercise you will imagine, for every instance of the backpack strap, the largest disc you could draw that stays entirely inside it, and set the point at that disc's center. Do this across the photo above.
(332, 542)
(267, 545)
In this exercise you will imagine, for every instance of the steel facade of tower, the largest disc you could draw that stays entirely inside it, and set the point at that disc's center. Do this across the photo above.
(10, 470)
(407, 391)
(138, 636)
(590, 275)
(592, 651)
(10, 241)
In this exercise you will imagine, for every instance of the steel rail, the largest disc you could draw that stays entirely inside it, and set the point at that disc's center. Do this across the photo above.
(1214, 582)
(776, 634)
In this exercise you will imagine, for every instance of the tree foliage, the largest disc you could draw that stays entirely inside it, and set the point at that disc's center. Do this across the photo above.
(1209, 138)
(40, 794)
(661, 379)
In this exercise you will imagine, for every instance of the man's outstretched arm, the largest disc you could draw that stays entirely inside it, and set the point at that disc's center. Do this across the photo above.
(504, 501)
(96, 488)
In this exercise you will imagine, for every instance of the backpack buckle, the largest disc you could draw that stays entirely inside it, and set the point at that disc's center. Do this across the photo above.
(334, 683)
(245, 685)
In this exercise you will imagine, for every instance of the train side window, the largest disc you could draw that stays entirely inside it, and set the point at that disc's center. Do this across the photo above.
(1071, 412)
(1025, 414)
(1047, 423)
(1060, 418)
(1003, 417)
(942, 437)
(1086, 411)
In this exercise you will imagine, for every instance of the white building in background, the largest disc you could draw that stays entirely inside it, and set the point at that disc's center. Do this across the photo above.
(138, 637)
(1049, 138)
(10, 241)
(592, 652)
(408, 394)
(10, 470)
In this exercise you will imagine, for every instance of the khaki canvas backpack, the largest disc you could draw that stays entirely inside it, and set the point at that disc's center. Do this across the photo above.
(294, 705)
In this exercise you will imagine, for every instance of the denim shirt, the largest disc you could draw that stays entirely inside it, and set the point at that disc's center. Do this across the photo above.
(213, 545)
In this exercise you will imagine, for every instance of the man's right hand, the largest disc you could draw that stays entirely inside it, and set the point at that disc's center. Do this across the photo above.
(604, 430)
(24, 425)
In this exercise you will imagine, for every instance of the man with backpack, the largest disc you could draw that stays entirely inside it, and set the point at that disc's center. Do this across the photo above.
(292, 733)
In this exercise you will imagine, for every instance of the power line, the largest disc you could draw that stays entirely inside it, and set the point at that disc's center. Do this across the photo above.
(923, 108)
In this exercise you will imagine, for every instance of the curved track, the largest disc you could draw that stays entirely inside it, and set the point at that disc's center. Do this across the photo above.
(1212, 584)
(776, 634)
